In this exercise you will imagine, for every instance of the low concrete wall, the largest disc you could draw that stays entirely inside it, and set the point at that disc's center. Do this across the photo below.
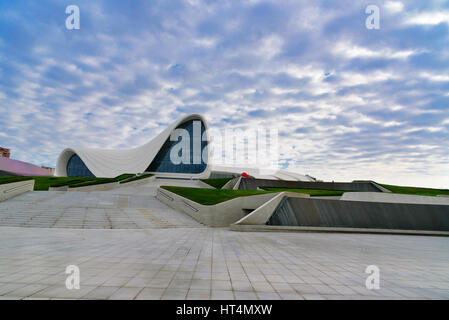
(253, 184)
(392, 198)
(63, 188)
(97, 187)
(378, 186)
(219, 215)
(357, 214)
(10, 190)
(138, 182)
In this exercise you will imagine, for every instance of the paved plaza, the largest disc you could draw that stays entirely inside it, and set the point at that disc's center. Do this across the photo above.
(128, 245)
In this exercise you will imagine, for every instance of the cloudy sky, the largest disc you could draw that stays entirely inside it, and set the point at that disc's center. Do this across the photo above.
(349, 102)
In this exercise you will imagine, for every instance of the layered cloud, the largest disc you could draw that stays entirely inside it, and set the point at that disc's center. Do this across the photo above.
(349, 103)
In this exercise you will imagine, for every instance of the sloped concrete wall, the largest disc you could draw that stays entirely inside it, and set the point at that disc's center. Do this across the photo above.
(10, 190)
(231, 184)
(96, 187)
(356, 214)
(138, 182)
(261, 215)
(220, 215)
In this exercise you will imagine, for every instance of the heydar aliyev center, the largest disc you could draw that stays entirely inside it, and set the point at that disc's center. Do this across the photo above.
(155, 157)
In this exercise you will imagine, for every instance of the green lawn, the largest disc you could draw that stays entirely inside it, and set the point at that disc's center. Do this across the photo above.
(311, 192)
(12, 179)
(217, 183)
(212, 196)
(43, 183)
(416, 190)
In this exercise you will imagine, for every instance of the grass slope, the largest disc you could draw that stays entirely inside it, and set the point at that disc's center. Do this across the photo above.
(61, 181)
(415, 190)
(43, 183)
(12, 179)
(212, 196)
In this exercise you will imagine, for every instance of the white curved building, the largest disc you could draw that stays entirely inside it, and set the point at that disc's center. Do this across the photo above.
(156, 157)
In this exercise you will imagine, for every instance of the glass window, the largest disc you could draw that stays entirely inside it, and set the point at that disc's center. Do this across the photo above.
(77, 168)
(162, 162)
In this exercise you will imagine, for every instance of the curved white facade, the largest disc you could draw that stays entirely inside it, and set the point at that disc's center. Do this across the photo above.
(112, 163)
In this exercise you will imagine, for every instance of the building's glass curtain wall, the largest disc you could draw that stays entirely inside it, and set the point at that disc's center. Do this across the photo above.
(77, 168)
(162, 162)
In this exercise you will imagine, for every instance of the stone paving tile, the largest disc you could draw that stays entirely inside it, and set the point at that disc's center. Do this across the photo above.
(195, 294)
(324, 289)
(175, 294)
(291, 296)
(343, 290)
(268, 296)
(137, 282)
(150, 294)
(221, 285)
(179, 284)
(125, 293)
(61, 292)
(183, 275)
(283, 288)
(159, 283)
(245, 295)
(222, 295)
(117, 281)
(263, 286)
(28, 290)
(101, 293)
(201, 284)
(6, 288)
